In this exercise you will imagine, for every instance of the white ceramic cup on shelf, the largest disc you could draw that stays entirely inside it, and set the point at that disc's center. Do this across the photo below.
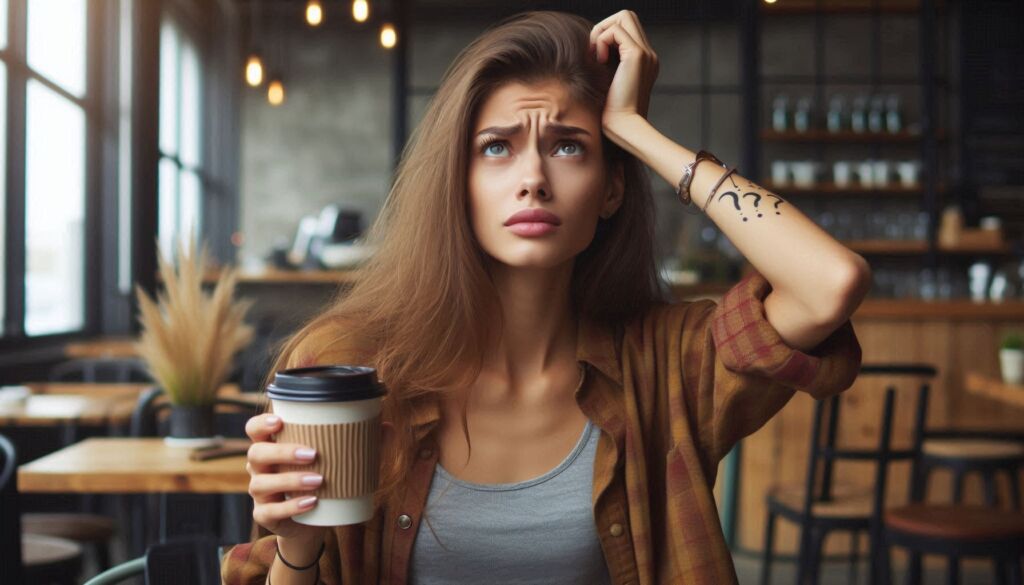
(908, 171)
(780, 173)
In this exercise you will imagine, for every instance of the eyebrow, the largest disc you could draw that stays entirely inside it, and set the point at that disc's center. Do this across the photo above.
(552, 128)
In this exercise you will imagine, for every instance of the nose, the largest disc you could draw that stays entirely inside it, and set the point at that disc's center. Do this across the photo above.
(534, 181)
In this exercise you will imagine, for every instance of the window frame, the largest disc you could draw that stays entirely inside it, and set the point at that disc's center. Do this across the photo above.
(15, 57)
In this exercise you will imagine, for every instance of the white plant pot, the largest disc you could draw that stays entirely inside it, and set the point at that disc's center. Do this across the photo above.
(1011, 363)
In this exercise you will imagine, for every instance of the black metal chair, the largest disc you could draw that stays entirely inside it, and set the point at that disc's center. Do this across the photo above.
(101, 370)
(29, 558)
(193, 560)
(819, 506)
(204, 511)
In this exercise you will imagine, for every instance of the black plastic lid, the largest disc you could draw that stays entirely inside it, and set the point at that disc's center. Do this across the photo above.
(326, 384)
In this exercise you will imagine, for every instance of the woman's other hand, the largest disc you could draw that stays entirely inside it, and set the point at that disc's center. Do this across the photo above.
(630, 91)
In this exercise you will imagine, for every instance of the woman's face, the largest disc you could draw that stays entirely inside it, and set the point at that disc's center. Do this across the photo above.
(534, 147)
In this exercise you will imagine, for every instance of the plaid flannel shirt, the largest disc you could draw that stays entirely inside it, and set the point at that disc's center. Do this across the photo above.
(672, 393)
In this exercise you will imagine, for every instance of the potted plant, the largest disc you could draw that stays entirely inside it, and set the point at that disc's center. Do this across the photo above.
(189, 340)
(1011, 358)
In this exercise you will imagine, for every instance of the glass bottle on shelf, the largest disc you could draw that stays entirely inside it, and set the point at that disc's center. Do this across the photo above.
(780, 105)
(858, 114)
(836, 111)
(893, 116)
(802, 115)
(876, 115)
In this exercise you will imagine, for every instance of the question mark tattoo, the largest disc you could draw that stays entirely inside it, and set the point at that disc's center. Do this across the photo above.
(754, 191)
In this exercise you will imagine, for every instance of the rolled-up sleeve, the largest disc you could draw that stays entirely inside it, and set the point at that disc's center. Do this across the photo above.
(753, 372)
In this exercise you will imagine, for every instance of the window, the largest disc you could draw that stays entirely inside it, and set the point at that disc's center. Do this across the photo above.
(180, 172)
(55, 163)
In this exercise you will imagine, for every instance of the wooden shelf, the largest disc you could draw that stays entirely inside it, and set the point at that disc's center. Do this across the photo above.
(906, 247)
(1003, 248)
(995, 388)
(895, 247)
(951, 309)
(833, 189)
(846, 136)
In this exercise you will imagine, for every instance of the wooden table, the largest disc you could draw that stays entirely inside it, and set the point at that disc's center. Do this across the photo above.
(995, 388)
(123, 465)
(54, 404)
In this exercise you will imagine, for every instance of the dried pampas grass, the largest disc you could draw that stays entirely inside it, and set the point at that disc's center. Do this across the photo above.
(190, 337)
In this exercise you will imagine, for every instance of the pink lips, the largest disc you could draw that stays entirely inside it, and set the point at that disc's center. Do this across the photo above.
(532, 222)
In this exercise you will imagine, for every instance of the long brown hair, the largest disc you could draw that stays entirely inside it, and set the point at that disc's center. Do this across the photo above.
(418, 308)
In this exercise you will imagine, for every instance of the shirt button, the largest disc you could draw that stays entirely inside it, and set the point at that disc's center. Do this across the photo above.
(616, 529)
(404, 521)
(425, 453)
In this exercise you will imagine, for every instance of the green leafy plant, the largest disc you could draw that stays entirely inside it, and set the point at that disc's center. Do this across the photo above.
(1012, 341)
(189, 336)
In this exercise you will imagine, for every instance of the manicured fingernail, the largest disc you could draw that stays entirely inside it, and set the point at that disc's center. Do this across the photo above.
(312, 480)
(272, 420)
(305, 454)
(307, 502)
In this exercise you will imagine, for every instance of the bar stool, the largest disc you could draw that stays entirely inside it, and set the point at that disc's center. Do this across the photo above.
(968, 452)
(952, 530)
(821, 507)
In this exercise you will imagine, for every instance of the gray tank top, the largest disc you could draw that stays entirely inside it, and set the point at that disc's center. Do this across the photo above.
(536, 531)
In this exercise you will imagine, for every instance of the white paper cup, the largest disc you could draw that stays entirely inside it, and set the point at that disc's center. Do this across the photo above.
(335, 410)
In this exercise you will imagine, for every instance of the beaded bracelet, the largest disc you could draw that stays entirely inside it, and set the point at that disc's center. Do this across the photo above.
(721, 180)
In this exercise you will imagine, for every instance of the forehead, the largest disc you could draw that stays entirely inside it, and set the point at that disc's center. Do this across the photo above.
(511, 100)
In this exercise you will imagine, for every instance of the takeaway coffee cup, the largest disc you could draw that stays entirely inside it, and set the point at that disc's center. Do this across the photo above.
(335, 410)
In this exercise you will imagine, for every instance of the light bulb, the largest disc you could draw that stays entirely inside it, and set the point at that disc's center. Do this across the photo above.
(388, 36)
(314, 13)
(275, 93)
(254, 71)
(360, 10)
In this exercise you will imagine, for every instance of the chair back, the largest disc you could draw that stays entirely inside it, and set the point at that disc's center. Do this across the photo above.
(195, 561)
(101, 370)
(146, 420)
(191, 560)
(11, 569)
(824, 453)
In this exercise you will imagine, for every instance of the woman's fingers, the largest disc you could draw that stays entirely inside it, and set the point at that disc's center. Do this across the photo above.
(629, 21)
(616, 35)
(267, 487)
(269, 514)
(262, 455)
(262, 426)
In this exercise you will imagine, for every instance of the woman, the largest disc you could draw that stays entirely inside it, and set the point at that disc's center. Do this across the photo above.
(550, 419)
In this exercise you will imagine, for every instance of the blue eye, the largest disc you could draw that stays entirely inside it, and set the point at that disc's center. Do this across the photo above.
(574, 147)
(495, 144)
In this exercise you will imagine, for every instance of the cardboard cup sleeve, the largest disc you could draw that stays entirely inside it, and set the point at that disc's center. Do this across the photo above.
(347, 455)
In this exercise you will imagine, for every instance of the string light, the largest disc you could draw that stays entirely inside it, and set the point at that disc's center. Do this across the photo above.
(388, 36)
(275, 92)
(360, 10)
(314, 13)
(254, 70)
